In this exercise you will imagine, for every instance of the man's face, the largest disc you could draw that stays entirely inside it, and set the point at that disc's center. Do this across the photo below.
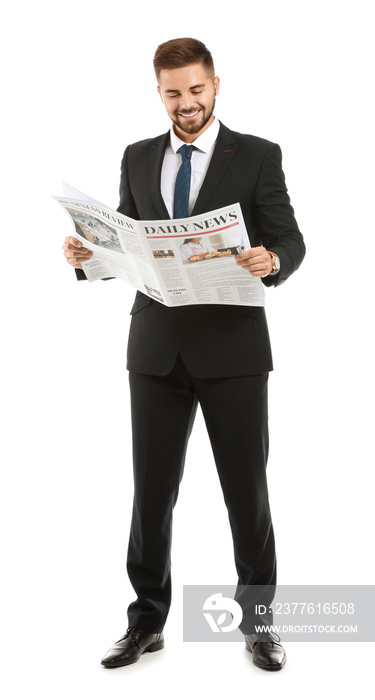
(188, 95)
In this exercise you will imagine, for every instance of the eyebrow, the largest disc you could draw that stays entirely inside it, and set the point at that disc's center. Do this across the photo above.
(193, 87)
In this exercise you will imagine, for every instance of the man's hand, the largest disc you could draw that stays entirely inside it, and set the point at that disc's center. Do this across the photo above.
(256, 260)
(74, 251)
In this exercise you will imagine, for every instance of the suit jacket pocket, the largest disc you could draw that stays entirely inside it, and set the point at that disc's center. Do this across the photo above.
(140, 302)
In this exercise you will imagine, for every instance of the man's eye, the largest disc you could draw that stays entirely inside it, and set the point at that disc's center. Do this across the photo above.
(196, 92)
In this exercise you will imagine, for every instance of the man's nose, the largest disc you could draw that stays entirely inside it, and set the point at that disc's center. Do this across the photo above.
(186, 103)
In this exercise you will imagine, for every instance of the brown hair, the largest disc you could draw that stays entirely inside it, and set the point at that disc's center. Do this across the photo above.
(178, 53)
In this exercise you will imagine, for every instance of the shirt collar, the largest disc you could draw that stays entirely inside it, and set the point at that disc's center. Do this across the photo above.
(204, 142)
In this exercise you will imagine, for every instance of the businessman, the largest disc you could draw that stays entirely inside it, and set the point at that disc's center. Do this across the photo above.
(216, 355)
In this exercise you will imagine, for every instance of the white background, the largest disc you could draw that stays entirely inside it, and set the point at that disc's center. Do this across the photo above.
(77, 87)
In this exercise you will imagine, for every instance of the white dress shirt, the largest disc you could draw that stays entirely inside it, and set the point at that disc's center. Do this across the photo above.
(200, 159)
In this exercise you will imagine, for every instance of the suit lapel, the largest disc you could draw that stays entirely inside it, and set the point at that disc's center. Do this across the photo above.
(157, 151)
(225, 149)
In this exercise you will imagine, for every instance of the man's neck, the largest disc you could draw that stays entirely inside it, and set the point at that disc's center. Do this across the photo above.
(190, 138)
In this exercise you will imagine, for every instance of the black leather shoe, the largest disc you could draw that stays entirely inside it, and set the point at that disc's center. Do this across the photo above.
(131, 646)
(267, 653)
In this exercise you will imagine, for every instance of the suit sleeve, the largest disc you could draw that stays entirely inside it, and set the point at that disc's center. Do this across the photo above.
(127, 204)
(274, 217)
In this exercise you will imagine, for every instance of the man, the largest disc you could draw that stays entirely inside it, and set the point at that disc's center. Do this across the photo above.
(217, 355)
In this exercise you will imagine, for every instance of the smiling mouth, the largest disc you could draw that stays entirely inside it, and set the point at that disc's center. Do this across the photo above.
(191, 115)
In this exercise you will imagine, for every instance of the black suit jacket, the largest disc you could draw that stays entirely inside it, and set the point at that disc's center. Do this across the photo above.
(213, 340)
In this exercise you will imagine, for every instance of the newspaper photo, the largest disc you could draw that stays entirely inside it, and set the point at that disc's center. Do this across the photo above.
(175, 261)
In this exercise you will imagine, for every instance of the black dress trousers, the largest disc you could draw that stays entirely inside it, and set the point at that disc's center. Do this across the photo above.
(236, 415)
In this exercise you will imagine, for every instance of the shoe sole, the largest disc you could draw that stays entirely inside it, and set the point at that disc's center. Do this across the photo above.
(152, 648)
(265, 668)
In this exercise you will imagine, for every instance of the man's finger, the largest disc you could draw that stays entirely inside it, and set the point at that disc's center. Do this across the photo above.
(78, 256)
(69, 247)
(251, 253)
(259, 260)
(73, 241)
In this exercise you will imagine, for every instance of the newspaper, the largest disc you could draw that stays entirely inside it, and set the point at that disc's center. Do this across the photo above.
(175, 261)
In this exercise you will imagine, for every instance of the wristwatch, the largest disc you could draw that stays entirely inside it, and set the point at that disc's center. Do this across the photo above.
(275, 262)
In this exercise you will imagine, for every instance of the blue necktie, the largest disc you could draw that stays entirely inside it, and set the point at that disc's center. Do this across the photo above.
(182, 186)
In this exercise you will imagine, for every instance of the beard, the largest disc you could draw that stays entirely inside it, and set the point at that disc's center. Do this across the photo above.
(197, 124)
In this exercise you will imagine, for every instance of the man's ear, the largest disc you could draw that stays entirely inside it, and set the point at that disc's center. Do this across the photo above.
(161, 96)
(216, 85)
